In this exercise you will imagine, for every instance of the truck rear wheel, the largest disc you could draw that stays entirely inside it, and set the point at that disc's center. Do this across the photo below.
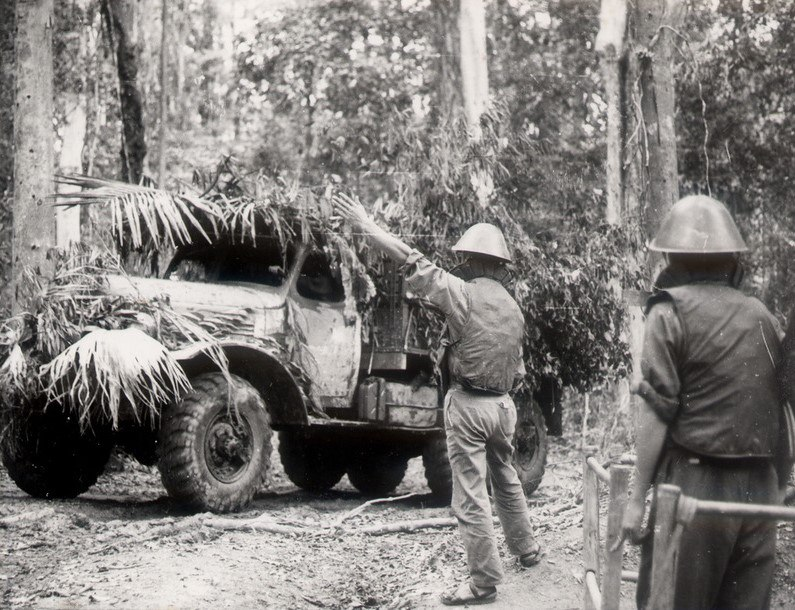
(437, 470)
(215, 455)
(311, 463)
(529, 443)
(47, 454)
(376, 472)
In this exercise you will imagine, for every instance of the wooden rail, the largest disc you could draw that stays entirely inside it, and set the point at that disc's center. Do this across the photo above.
(595, 553)
(673, 509)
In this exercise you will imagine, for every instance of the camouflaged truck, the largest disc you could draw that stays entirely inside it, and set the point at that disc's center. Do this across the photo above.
(343, 399)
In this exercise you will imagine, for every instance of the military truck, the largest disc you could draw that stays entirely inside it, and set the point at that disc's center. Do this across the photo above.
(345, 395)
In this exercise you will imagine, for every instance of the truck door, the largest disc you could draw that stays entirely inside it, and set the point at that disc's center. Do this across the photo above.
(332, 349)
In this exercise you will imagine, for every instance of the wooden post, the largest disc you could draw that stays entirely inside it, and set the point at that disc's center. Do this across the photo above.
(663, 574)
(610, 47)
(590, 524)
(611, 583)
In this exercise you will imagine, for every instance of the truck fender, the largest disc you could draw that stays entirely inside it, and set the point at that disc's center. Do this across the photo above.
(262, 369)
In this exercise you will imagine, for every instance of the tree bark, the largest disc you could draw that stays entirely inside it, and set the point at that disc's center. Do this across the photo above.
(446, 43)
(7, 8)
(474, 67)
(656, 23)
(610, 47)
(161, 144)
(6, 94)
(67, 220)
(120, 21)
(34, 220)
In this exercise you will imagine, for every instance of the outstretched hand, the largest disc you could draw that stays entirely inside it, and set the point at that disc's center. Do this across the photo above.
(350, 209)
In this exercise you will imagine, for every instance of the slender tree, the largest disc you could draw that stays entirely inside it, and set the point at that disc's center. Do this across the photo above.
(34, 220)
(161, 156)
(474, 67)
(120, 22)
(610, 47)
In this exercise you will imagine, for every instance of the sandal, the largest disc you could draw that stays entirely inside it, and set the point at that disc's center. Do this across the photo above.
(467, 594)
(528, 560)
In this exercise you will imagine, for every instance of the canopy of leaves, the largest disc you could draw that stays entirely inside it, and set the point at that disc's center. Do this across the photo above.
(736, 132)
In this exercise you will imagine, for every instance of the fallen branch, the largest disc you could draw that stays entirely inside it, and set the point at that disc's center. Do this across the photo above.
(27, 516)
(257, 524)
(362, 507)
(409, 526)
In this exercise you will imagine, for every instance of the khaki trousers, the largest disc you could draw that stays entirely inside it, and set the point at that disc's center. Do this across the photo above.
(479, 440)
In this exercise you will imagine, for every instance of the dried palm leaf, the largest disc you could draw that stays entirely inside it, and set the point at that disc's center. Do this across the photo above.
(145, 213)
(108, 368)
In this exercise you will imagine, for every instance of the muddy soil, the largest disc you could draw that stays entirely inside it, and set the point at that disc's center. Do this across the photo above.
(124, 544)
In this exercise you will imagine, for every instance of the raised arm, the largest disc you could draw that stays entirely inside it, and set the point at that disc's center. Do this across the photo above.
(353, 211)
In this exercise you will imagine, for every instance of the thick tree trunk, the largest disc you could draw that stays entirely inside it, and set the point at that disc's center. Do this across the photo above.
(120, 20)
(34, 219)
(656, 23)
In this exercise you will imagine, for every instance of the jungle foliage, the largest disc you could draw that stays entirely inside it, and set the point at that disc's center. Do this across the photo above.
(348, 94)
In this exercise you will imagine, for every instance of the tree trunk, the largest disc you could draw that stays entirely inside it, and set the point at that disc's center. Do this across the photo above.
(6, 147)
(475, 85)
(6, 95)
(656, 23)
(474, 67)
(178, 109)
(120, 20)
(67, 220)
(446, 42)
(161, 144)
(34, 219)
(610, 47)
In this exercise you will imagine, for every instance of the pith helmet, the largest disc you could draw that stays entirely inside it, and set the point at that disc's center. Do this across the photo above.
(484, 238)
(698, 224)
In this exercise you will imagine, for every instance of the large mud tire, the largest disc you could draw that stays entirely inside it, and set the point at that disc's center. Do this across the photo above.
(48, 456)
(376, 472)
(313, 464)
(437, 470)
(214, 456)
(530, 444)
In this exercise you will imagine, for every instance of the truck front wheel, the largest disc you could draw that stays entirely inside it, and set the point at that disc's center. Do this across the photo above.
(215, 454)
(48, 455)
(313, 464)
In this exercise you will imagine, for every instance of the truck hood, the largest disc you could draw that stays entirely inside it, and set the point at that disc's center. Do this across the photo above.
(225, 310)
(195, 296)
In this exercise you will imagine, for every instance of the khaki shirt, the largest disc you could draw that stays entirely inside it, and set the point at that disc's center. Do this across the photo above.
(440, 289)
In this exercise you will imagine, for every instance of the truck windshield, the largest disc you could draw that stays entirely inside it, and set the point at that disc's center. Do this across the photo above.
(264, 264)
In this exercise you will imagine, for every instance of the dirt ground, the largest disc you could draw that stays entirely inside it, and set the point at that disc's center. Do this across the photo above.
(124, 544)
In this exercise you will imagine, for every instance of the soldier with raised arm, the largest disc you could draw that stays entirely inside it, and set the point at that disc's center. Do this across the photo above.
(485, 330)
